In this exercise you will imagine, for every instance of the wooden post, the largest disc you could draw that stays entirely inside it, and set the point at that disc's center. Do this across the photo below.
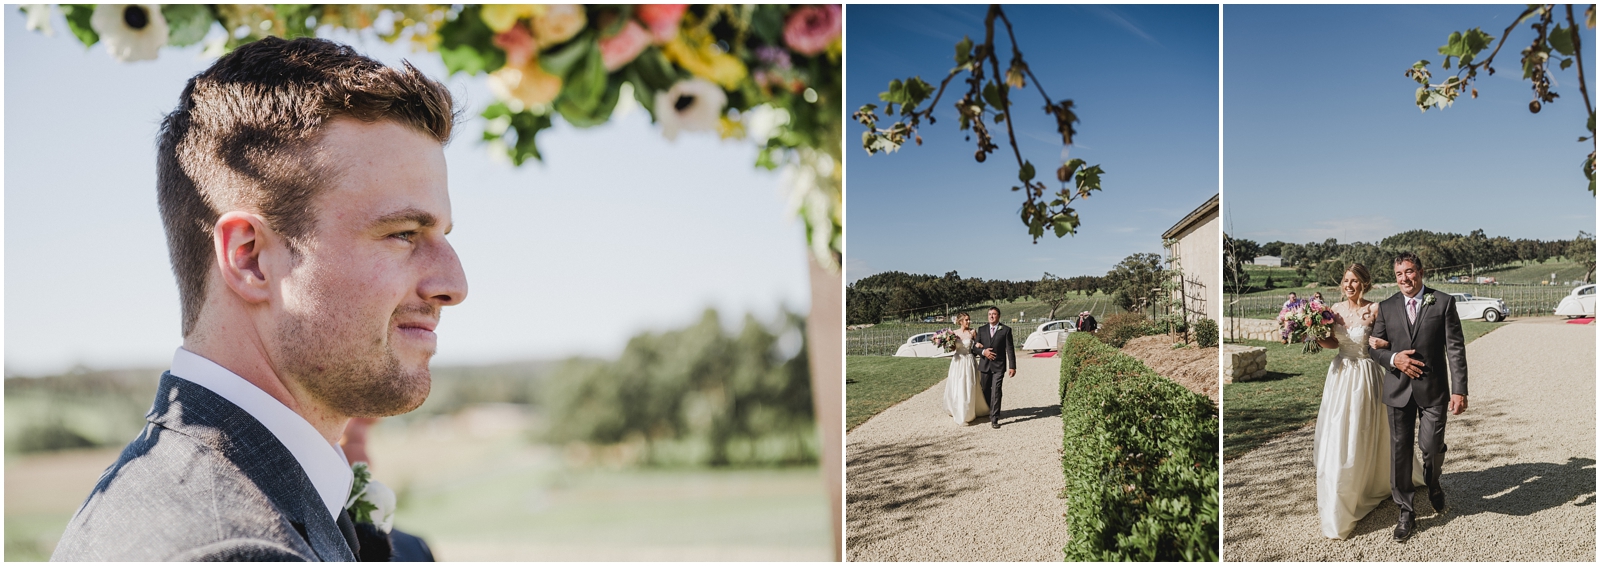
(823, 331)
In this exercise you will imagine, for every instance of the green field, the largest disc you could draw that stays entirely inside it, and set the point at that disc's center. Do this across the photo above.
(875, 383)
(1519, 273)
(475, 489)
(1288, 397)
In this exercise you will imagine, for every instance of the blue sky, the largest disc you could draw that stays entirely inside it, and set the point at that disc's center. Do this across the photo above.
(87, 279)
(1323, 139)
(1144, 80)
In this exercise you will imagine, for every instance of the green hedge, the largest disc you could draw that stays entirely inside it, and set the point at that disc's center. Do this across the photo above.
(1140, 458)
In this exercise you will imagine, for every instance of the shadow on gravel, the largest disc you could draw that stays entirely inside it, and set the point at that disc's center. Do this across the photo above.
(1521, 489)
(902, 482)
(1028, 414)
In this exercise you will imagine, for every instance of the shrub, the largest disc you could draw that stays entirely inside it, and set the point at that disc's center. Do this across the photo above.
(1205, 332)
(1119, 328)
(1140, 460)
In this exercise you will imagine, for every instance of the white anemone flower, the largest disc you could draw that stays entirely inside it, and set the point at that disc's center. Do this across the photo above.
(383, 498)
(39, 18)
(132, 32)
(762, 122)
(694, 105)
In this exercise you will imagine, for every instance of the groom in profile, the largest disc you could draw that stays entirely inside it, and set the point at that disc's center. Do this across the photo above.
(997, 362)
(303, 191)
(1421, 335)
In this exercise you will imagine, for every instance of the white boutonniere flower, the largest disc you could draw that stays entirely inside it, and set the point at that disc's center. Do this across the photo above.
(1427, 299)
(370, 501)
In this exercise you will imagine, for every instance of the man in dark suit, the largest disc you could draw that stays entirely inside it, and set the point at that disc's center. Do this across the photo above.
(1420, 335)
(304, 194)
(1086, 322)
(997, 361)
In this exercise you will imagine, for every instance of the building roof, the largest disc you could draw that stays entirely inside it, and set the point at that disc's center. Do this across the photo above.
(1195, 217)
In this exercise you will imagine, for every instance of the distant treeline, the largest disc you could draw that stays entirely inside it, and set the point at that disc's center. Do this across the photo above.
(894, 295)
(1442, 254)
(696, 396)
(699, 396)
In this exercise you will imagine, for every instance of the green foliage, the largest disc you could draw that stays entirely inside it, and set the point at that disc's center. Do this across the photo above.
(1135, 280)
(1551, 38)
(1205, 332)
(360, 509)
(1054, 291)
(988, 98)
(78, 21)
(1139, 454)
(1116, 330)
(695, 396)
(466, 44)
(187, 24)
(517, 130)
(898, 295)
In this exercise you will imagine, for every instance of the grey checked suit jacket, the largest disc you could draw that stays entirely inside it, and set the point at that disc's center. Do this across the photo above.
(1438, 341)
(203, 481)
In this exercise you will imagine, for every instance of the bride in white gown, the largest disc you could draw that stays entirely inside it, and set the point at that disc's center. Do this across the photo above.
(962, 397)
(1352, 437)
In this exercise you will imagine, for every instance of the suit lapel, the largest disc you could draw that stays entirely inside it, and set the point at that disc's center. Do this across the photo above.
(190, 409)
(1421, 309)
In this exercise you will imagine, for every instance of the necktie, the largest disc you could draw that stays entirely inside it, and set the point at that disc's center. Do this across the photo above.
(1411, 309)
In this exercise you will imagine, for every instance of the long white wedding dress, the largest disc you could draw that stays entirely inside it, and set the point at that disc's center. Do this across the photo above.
(962, 397)
(1352, 437)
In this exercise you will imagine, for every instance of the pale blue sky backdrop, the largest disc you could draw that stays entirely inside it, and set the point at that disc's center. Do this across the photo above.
(1323, 139)
(1144, 81)
(553, 270)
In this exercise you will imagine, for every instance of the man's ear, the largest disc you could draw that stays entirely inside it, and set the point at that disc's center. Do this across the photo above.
(239, 239)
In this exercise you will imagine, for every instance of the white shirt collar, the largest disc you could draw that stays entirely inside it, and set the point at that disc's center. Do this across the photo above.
(324, 463)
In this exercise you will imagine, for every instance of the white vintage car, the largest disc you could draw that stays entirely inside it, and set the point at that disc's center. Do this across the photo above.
(1579, 303)
(1469, 307)
(922, 346)
(1050, 335)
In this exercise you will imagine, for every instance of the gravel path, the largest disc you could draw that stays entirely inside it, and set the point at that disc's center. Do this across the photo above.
(1519, 476)
(919, 487)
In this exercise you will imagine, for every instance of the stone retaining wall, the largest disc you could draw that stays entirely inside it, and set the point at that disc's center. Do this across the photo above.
(1251, 329)
(1243, 363)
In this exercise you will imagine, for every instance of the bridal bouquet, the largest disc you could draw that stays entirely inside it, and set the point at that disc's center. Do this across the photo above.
(946, 340)
(1308, 323)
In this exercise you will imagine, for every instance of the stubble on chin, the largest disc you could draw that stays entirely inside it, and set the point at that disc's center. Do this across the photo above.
(355, 376)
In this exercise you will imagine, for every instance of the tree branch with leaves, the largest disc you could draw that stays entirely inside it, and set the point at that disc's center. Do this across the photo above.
(1551, 40)
(987, 103)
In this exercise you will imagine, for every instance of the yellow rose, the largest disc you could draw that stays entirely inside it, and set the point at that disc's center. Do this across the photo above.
(500, 17)
(706, 62)
(558, 23)
(528, 86)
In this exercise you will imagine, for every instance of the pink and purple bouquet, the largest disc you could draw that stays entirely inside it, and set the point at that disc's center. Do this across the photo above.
(1308, 322)
(946, 340)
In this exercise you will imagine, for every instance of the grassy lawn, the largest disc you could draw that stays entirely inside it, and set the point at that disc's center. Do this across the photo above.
(1288, 397)
(875, 383)
(477, 490)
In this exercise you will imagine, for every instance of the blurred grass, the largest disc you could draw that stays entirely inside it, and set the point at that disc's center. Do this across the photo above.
(875, 383)
(473, 486)
(1288, 397)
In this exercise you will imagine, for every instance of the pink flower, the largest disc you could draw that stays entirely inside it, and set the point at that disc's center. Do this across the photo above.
(622, 48)
(811, 29)
(518, 44)
(662, 18)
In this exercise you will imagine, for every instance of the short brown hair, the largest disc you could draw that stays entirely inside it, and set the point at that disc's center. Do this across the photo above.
(244, 133)
(1362, 275)
(1408, 256)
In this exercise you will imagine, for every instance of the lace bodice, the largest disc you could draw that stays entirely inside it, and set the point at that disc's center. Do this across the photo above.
(963, 346)
(1352, 337)
(1352, 340)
